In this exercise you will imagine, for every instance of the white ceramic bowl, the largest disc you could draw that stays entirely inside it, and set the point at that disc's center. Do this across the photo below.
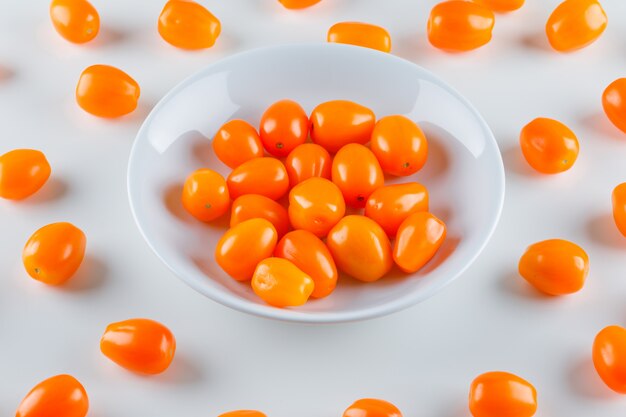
(464, 172)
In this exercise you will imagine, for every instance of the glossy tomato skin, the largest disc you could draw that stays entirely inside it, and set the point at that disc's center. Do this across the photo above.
(75, 20)
(502, 6)
(306, 161)
(243, 246)
(357, 173)
(399, 145)
(360, 248)
(340, 122)
(284, 125)
(614, 103)
(54, 253)
(140, 345)
(205, 195)
(458, 25)
(360, 34)
(307, 252)
(253, 206)
(315, 205)
(106, 91)
(502, 394)
(188, 25)
(22, 173)
(236, 142)
(418, 239)
(243, 413)
(575, 24)
(298, 4)
(549, 146)
(265, 176)
(390, 205)
(371, 407)
(619, 207)
(280, 283)
(555, 266)
(609, 357)
(58, 396)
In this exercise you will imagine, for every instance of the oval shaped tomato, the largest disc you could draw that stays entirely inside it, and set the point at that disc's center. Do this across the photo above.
(75, 20)
(264, 176)
(371, 407)
(298, 4)
(619, 207)
(306, 161)
(106, 91)
(614, 103)
(22, 173)
(460, 25)
(340, 122)
(254, 206)
(390, 205)
(315, 205)
(418, 239)
(360, 34)
(243, 413)
(609, 357)
(280, 283)
(205, 195)
(188, 25)
(58, 396)
(357, 173)
(575, 24)
(284, 125)
(236, 142)
(549, 146)
(360, 248)
(399, 145)
(502, 394)
(502, 5)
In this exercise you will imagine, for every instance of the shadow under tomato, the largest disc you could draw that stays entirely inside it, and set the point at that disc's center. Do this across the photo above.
(438, 162)
(182, 371)
(513, 284)
(108, 36)
(514, 162)
(585, 381)
(90, 276)
(6, 73)
(536, 41)
(602, 229)
(600, 124)
(53, 190)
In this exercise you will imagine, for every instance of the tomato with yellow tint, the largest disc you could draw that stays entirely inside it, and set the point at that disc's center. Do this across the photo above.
(340, 122)
(106, 91)
(315, 205)
(205, 195)
(614, 103)
(58, 396)
(243, 413)
(75, 20)
(298, 4)
(357, 173)
(265, 176)
(399, 145)
(188, 25)
(609, 357)
(236, 142)
(22, 173)
(502, 394)
(371, 407)
(502, 5)
(284, 125)
(54, 253)
(306, 161)
(280, 283)
(459, 25)
(390, 205)
(619, 207)
(549, 146)
(360, 34)
(575, 24)
(360, 248)
(555, 266)
(255, 206)
(418, 239)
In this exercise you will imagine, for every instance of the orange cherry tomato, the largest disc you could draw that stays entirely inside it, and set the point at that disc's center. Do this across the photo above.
(360, 34)
(575, 24)
(502, 5)
(459, 25)
(75, 20)
(419, 237)
(253, 206)
(306, 161)
(360, 248)
(243, 246)
(399, 145)
(284, 125)
(315, 205)
(619, 207)
(370, 407)
(549, 146)
(139, 345)
(390, 205)
(106, 91)
(22, 173)
(502, 394)
(265, 176)
(236, 142)
(280, 283)
(311, 256)
(243, 413)
(298, 4)
(614, 103)
(188, 25)
(59, 396)
(54, 253)
(357, 173)
(205, 195)
(555, 266)
(609, 357)
(339, 122)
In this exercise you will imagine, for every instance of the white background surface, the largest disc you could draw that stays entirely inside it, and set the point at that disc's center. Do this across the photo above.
(424, 358)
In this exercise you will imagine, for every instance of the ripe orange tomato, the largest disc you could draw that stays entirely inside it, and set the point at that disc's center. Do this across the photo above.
(549, 146)
(22, 173)
(139, 345)
(306, 161)
(339, 122)
(205, 195)
(614, 103)
(360, 248)
(419, 237)
(75, 20)
(502, 5)
(619, 207)
(555, 266)
(399, 145)
(243, 246)
(264, 176)
(459, 25)
(252, 206)
(54, 253)
(236, 142)
(243, 413)
(280, 283)
(575, 24)
(609, 357)
(298, 4)
(188, 25)
(502, 394)
(370, 407)
(360, 34)
(106, 91)
(59, 396)
(390, 205)
(284, 125)
(307, 252)
(357, 173)
(315, 205)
